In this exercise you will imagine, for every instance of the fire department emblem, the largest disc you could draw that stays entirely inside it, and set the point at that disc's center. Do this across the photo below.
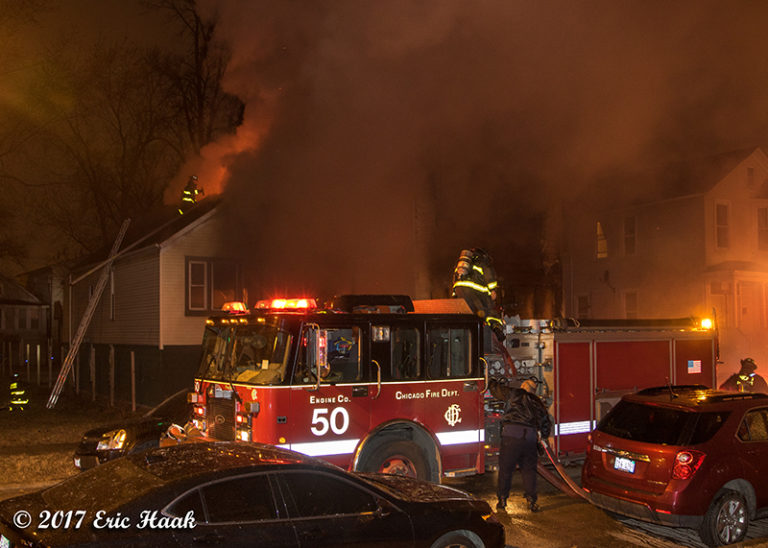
(453, 414)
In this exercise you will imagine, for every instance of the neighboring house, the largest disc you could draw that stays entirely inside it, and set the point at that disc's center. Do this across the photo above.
(24, 328)
(158, 294)
(700, 245)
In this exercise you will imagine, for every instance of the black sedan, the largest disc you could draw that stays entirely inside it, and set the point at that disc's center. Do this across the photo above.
(132, 435)
(227, 493)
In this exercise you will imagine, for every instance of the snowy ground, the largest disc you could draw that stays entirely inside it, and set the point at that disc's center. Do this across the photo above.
(36, 444)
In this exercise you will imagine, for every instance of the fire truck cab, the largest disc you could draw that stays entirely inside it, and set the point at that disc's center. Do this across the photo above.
(374, 383)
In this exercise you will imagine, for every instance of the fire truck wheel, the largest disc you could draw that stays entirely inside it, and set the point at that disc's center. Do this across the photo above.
(459, 539)
(403, 458)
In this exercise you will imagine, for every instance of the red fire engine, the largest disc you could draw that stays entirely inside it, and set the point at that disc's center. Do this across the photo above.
(371, 383)
(584, 367)
(383, 383)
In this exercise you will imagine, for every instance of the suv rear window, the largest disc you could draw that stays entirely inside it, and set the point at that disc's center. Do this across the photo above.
(646, 423)
(708, 425)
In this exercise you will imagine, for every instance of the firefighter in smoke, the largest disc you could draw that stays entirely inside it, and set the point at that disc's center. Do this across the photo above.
(189, 194)
(525, 418)
(746, 380)
(474, 280)
(19, 396)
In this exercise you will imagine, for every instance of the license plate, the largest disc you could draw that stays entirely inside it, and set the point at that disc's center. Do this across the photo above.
(4, 542)
(625, 465)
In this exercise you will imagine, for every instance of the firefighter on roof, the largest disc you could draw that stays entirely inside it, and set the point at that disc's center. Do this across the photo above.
(474, 280)
(746, 380)
(189, 194)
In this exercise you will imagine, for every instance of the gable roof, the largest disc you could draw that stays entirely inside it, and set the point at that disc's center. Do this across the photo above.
(11, 292)
(153, 231)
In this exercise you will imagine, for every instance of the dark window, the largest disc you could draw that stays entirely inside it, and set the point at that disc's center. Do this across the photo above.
(224, 283)
(707, 426)
(647, 423)
(762, 228)
(583, 306)
(191, 501)
(629, 235)
(721, 225)
(247, 498)
(318, 494)
(601, 243)
(210, 283)
(23, 318)
(449, 352)
(406, 362)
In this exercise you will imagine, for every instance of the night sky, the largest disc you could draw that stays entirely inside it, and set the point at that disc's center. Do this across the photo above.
(380, 138)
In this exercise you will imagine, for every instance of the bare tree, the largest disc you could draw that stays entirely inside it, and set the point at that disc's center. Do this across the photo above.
(196, 74)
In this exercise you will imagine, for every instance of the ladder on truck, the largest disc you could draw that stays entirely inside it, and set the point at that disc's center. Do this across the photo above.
(86, 319)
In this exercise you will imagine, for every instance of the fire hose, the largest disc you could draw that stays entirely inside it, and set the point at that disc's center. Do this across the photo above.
(564, 482)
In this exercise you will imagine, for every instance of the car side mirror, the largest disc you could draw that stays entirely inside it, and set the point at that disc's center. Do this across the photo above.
(176, 433)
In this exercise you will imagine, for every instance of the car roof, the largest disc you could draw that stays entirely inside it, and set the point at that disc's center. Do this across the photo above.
(697, 397)
(201, 458)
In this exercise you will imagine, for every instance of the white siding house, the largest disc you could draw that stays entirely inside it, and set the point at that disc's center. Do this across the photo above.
(154, 305)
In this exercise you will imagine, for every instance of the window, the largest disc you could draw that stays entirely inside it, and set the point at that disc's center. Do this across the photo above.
(762, 228)
(211, 283)
(721, 226)
(343, 355)
(23, 318)
(754, 427)
(241, 499)
(629, 236)
(601, 248)
(449, 353)
(630, 305)
(583, 306)
(189, 502)
(397, 350)
(34, 318)
(197, 285)
(316, 494)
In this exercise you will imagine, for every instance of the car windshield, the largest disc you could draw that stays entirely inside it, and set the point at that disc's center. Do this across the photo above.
(105, 487)
(647, 423)
(253, 354)
(174, 407)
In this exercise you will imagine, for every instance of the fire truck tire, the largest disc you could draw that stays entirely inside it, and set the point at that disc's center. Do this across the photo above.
(459, 539)
(404, 458)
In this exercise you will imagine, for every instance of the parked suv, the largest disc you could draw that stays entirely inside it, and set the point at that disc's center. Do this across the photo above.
(684, 456)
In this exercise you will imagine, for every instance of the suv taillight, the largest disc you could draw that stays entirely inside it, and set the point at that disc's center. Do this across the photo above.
(686, 464)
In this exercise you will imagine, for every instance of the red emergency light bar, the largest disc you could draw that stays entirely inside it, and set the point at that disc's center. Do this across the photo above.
(235, 307)
(287, 304)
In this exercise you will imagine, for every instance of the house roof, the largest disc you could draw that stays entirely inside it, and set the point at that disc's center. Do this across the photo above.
(693, 176)
(154, 230)
(11, 292)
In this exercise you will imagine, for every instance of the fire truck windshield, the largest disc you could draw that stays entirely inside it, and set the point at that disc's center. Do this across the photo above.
(252, 354)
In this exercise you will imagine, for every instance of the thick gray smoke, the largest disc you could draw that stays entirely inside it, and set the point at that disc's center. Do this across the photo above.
(382, 137)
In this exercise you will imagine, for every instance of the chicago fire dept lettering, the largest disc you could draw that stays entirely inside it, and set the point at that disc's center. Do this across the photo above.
(453, 414)
(444, 393)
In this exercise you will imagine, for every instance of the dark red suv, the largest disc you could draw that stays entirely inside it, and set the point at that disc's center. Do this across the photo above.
(684, 456)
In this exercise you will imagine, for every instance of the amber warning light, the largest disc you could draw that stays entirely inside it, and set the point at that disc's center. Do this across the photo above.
(287, 304)
(235, 307)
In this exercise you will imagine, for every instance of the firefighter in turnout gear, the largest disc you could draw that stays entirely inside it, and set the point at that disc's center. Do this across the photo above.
(474, 280)
(746, 380)
(189, 194)
(525, 418)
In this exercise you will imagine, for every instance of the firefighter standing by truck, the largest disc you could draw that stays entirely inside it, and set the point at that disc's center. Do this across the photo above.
(525, 418)
(474, 280)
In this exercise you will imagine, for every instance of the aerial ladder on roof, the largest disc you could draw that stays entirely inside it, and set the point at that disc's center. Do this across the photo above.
(86, 319)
